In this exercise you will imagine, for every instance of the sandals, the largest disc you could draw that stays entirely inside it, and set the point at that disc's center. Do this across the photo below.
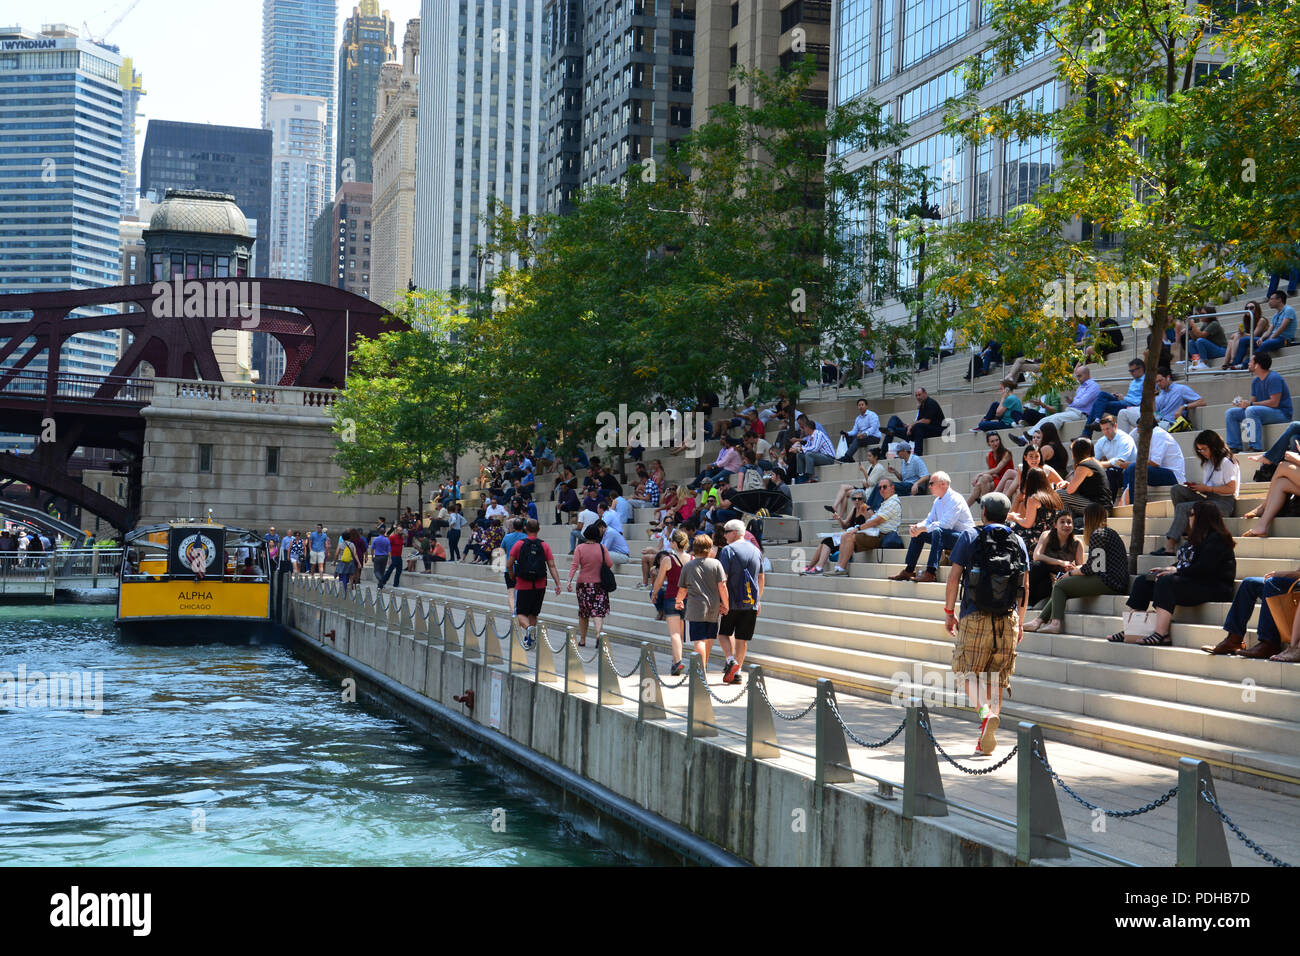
(1254, 533)
(1116, 638)
(1156, 640)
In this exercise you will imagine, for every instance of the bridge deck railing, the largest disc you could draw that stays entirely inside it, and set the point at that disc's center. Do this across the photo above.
(26, 383)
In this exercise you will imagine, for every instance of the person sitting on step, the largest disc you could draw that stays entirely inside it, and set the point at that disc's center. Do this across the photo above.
(1250, 592)
(1205, 571)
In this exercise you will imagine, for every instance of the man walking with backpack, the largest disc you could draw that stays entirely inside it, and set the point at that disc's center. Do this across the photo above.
(529, 561)
(993, 567)
(743, 564)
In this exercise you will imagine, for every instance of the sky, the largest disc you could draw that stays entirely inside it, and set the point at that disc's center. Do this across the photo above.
(201, 61)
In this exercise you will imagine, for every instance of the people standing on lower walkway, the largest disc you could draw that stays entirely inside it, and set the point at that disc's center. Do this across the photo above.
(528, 564)
(396, 545)
(589, 560)
(663, 593)
(455, 522)
(743, 564)
(318, 546)
(991, 566)
(702, 594)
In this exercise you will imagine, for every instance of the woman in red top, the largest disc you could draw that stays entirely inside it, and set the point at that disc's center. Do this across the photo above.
(999, 460)
(588, 558)
(666, 577)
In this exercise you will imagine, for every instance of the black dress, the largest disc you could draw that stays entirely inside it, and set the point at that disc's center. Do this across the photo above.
(1206, 573)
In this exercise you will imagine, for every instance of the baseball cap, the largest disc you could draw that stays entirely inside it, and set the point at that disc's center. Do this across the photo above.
(903, 446)
(735, 524)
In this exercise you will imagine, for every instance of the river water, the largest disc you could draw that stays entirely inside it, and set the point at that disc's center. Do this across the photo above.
(235, 755)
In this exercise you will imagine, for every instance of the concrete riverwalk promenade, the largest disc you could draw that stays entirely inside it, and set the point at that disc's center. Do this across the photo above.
(775, 772)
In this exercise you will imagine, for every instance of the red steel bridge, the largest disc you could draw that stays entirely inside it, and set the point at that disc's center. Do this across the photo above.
(316, 324)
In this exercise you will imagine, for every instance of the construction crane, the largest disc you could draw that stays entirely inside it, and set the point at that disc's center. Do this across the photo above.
(112, 26)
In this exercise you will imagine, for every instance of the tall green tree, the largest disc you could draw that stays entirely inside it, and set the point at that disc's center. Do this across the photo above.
(415, 400)
(730, 256)
(1137, 162)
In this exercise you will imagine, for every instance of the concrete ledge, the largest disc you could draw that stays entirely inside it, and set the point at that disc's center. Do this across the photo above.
(697, 800)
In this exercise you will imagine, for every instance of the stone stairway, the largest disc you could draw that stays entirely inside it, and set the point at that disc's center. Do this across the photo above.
(879, 637)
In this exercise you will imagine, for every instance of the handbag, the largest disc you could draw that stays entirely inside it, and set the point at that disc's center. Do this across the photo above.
(1138, 624)
(607, 582)
(1283, 608)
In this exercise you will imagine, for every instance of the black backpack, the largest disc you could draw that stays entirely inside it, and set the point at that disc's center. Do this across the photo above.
(531, 563)
(997, 574)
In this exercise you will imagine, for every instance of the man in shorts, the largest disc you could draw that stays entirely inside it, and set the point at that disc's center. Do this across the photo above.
(530, 592)
(704, 581)
(743, 564)
(317, 542)
(986, 643)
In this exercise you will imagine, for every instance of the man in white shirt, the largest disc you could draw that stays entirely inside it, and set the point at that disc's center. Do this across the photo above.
(949, 516)
(585, 517)
(1114, 451)
(1167, 465)
(497, 510)
(865, 427)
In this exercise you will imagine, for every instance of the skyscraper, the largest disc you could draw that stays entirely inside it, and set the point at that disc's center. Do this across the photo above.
(224, 159)
(341, 241)
(299, 180)
(132, 84)
(624, 69)
(480, 81)
(298, 57)
(392, 146)
(61, 181)
(367, 45)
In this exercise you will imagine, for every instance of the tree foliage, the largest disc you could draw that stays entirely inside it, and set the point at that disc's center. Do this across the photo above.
(1144, 192)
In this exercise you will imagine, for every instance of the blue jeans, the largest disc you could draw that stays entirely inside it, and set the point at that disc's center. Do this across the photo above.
(1208, 350)
(1156, 477)
(1280, 447)
(1105, 404)
(395, 569)
(1275, 280)
(939, 543)
(858, 442)
(1254, 591)
(1259, 416)
(1261, 345)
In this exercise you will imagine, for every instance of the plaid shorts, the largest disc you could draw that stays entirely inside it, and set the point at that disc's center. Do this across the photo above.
(986, 645)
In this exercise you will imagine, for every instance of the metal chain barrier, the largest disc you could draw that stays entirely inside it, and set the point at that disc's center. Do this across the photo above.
(1153, 805)
(703, 677)
(454, 625)
(762, 690)
(925, 725)
(835, 709)
(586, 660)
(654, 669)
(609, 656)
(496, 630)
(483, 630)
(1214, 804)
(554, 650)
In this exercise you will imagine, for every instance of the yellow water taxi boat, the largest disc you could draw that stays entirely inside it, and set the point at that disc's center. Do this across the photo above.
(192, 573)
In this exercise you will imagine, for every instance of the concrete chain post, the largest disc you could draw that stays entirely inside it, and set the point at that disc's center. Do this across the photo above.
(575, 675)
(832, 750)
(545, 672)
(1038, 813)
(518, 653)
(1201, 840)
(607, 685)
(923, 794)
(760, 730)
(699, 708)
(649, 697)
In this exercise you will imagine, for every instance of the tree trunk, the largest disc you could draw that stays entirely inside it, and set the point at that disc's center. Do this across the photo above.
(1137, 539)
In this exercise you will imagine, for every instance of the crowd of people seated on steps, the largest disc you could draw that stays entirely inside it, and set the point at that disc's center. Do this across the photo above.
(1055, 493)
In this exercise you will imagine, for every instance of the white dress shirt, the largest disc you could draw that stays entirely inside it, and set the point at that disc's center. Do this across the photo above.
(1166, 453)
(949, 513)
(1119, 448)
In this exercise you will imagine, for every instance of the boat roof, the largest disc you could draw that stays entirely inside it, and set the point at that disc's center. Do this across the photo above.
(180, 524)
